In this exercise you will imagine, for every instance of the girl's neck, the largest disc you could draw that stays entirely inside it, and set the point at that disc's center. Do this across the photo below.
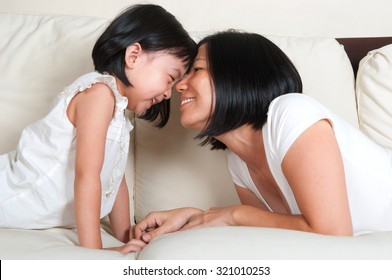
(120, 86)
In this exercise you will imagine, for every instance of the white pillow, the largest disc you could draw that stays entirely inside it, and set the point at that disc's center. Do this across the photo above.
(325, 70)
(40, 55)
(374, 95)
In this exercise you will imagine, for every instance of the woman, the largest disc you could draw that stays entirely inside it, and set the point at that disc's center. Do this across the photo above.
(295, 165)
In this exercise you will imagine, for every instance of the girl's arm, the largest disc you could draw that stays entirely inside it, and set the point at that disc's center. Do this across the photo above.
(91, 112)
(119, 217)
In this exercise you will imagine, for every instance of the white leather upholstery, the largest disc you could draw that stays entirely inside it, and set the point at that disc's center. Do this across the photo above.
(39, 55)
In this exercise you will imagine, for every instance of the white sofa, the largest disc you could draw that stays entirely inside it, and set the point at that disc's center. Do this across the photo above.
(41, 53)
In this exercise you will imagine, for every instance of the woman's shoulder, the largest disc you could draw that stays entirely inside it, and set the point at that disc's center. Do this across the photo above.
(296, 105)
(288, 116)
(292, 100)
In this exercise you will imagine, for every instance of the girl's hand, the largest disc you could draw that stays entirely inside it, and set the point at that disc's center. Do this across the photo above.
(134, 245)
(158, 223)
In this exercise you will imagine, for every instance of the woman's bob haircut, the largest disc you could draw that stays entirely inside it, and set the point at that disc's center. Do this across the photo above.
(154, 29)
(247, 72)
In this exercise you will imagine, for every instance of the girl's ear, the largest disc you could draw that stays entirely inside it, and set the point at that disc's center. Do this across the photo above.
(132, 53)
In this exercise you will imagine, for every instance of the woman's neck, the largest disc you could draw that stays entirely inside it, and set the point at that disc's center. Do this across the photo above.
(246, 142)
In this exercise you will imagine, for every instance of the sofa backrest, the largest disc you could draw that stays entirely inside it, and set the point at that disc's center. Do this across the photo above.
(41, 54)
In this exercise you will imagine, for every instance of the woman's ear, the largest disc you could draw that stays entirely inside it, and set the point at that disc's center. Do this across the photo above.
(132, 53)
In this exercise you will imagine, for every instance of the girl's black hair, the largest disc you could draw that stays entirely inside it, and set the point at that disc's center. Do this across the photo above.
(154, 29)
(247, 72)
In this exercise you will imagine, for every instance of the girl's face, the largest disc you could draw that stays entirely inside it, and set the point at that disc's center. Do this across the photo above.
(196, 93)
(152, 75)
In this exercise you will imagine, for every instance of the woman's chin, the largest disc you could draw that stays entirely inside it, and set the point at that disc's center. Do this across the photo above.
(185, 124)
(192, 126)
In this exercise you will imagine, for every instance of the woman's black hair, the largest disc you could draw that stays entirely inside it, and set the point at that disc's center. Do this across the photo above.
(154, 29)
(247, 72)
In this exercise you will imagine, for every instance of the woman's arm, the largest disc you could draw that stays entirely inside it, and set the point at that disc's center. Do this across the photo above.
(119, 216)
(314, 169)
(91, 112)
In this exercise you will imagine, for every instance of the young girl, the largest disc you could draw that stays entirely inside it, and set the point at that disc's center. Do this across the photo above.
(68, 168)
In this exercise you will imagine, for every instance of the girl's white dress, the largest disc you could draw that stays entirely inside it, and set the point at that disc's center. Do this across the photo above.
(368, 166)
(37, 179)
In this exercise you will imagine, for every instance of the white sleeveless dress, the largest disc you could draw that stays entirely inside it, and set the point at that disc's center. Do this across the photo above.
(37, 179)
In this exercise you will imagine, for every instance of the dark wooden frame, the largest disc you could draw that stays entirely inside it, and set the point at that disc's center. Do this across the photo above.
(357, 48)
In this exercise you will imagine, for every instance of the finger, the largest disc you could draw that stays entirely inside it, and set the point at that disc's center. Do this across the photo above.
(134, 245)
(165, 228)
(148, 223)
(138, 231)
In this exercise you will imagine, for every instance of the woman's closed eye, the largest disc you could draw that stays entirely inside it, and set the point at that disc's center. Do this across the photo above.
(196, 69)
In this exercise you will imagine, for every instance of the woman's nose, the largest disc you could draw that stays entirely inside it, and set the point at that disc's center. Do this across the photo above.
(182, 85)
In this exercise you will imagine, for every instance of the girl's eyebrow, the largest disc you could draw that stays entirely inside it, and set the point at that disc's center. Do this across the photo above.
(178, 75)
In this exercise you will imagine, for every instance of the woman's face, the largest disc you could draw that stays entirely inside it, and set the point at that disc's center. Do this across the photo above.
(196, 93)
(152, 76)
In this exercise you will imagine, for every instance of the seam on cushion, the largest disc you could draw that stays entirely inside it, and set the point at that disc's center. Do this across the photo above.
(358, 86)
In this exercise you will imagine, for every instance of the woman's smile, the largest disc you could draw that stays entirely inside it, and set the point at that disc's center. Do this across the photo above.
(186, 101)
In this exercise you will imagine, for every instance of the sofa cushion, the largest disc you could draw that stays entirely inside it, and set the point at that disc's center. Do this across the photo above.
(40, 55)
(374, 95)
(326, 72)
(256, 243)
(54, 244)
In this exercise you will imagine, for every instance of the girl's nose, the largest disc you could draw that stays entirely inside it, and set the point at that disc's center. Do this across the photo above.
(167, 94)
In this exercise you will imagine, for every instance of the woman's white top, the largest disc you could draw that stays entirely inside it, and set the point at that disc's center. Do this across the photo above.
(367, 166)
(37, 179)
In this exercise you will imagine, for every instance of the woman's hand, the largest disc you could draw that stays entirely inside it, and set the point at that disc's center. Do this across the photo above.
(158, 223)
(211, 217)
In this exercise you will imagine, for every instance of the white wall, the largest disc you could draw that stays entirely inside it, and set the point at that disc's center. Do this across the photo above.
(332, 18)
